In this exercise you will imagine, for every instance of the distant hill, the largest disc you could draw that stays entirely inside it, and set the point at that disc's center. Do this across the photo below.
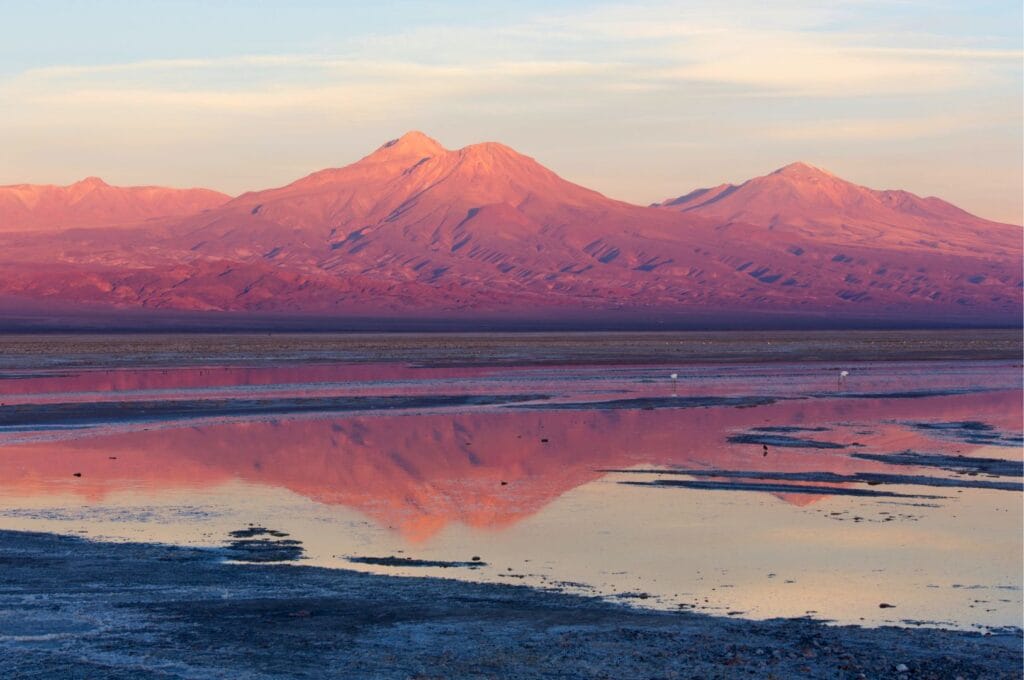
(94, 203)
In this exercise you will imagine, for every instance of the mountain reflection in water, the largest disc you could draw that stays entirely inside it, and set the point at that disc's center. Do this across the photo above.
(490, 469)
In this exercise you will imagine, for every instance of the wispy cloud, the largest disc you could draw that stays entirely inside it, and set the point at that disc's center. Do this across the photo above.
(873, 128)
(776, 50)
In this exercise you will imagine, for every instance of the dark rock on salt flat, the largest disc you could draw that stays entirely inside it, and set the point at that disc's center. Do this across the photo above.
(652, 403)
(632, 596)
(259, 544)
(906, 394)
(393, 561)
(71, 608)
(263, 550)
(101, 412)
(252, 532)
(963, 464)
(971, 432)
(965, 425)
(783, 441)
(739, 485)
(872, 478)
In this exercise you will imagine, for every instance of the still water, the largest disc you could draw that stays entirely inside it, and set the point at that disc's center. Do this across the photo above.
(745, 488)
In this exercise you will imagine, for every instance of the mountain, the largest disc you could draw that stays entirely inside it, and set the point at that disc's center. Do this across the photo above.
(414, 230)
(821, 205)
(93, 203)
(411, 196)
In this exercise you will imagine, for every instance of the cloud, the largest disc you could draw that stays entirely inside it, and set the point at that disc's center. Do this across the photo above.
(274, 83)
(872, 128)
(787, 48)
(741, 47)
(955, 53)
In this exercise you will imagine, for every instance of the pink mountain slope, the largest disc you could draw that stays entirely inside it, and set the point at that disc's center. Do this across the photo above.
(821, 205)
(414, 229)
(92, 203)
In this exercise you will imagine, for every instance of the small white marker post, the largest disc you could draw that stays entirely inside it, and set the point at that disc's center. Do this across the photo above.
(674, 376)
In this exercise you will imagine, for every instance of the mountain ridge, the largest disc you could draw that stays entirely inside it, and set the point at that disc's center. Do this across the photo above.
(802, 195)
(416, 229)
(92, 202)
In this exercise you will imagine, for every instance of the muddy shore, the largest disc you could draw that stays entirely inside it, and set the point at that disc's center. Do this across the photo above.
(71, 608)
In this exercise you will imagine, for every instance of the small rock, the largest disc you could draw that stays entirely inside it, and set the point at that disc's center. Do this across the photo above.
(476, 558)
(902, 668)
(886, 605)
(77, 474)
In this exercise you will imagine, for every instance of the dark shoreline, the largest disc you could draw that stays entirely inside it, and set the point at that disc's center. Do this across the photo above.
(453, 350)
(74, 608)
(25, 317)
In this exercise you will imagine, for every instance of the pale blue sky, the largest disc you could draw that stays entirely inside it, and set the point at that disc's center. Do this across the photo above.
(642, 101)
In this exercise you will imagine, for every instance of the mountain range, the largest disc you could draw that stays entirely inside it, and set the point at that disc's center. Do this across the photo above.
(417, 231)
(94, 203)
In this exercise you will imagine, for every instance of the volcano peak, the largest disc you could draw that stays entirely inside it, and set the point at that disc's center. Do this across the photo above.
(801, 170)
(412, 143)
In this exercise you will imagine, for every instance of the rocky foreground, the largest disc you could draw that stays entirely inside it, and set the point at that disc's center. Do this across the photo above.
(71, 608)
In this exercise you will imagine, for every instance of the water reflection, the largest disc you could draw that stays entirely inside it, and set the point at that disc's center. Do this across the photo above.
(546, 492)
(418, 473)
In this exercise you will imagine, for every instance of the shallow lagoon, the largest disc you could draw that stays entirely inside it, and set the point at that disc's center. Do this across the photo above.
(752, 488)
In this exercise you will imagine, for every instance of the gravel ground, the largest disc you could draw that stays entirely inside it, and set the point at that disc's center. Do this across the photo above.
(71, 608)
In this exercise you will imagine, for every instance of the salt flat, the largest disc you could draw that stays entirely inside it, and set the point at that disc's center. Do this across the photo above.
(740, 491)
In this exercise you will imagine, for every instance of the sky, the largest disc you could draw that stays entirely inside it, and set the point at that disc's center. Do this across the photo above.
(642, 101)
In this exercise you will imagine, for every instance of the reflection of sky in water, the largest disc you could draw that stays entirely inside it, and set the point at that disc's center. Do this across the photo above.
(448, 485)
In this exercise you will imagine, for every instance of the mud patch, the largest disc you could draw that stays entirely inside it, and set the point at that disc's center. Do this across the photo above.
(998, 467)
(771, 487)
(869, 478)
(970, 432)
(393, 561)
(20, 416)
(262, 545)
(904, 394)
(642, 403)
(783, 441)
